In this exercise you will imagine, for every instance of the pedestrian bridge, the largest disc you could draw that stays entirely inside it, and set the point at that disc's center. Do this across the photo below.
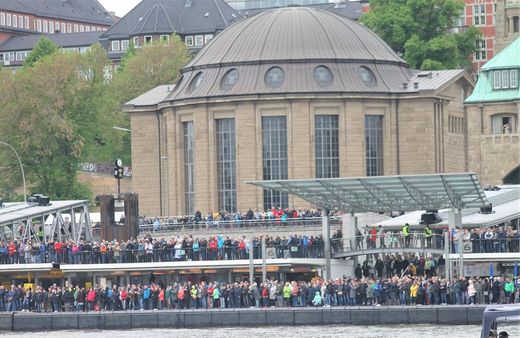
(393, 244)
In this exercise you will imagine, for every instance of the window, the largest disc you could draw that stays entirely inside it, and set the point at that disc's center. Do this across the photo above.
(496, 79)
(147, 39)
(229, 79)
(323, 76)
(165, 38)
(479, 15)
(275, 162)
(189, 168)
(9, 19)
(87, 28)
(2, 19)
(15, 20)
(199, 40)
(374, 145)
(63, 27)
(93, 29)
(367, 76)
(125, 44)
(503, 123)
(69, 28)
(226, 164)
(20, 56)
(39, 25)
(505, 79)
(45, 26)
(207, 38)
(51, 27)
(513, 78)
(326, 146)
(189, 41)
(274, 77)
(115, 46)
(480, 52)
(136, 41)
(516, 24)
(76, 28)
(81, 28)
(26, 22)
(195, 83)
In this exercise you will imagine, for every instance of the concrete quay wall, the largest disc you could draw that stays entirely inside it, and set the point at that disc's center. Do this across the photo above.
(447, 315)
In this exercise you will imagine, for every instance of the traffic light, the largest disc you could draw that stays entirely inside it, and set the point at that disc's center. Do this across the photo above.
(118, 169)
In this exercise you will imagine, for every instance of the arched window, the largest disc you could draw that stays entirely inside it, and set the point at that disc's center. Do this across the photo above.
(274, 77)
(229, 79)
(367, 76)
(323, 76)
(195, 82)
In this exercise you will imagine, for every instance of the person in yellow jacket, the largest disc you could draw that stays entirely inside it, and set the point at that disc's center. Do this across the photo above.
(287, 290)
(428, 233)
(414, 288)
(406, 234)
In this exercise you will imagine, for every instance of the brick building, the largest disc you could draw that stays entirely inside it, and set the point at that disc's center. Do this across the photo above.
(286, 94)
(23, 22)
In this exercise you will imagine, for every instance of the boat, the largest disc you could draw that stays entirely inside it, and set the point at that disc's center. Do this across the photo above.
(498, 313)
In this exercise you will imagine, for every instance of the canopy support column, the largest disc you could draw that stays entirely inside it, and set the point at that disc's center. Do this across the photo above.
(326, 237)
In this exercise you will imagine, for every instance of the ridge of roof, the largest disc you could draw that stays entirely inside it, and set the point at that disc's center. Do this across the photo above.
(88, 11)
(173, 16)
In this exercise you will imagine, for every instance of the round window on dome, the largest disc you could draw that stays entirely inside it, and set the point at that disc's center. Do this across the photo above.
(195, 82)
(323, 76)
(274, 77)
(229, 79)
(367, 76)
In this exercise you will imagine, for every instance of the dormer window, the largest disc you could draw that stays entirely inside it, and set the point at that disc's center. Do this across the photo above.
(505, 79)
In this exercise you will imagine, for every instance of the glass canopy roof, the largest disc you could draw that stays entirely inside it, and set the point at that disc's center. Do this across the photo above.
(386, 193)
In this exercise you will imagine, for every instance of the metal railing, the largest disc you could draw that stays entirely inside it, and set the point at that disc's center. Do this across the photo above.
(235, 224)
(165, 254)
(494, 245)
(388, 242)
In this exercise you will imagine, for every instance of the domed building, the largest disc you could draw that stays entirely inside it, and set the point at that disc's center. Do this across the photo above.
(291, 93)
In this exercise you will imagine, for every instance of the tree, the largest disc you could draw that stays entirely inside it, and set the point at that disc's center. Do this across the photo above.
(422, 31)
(44, 47)
(150, 66)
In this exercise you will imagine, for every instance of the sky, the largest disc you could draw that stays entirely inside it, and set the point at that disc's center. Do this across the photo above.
(121, 7)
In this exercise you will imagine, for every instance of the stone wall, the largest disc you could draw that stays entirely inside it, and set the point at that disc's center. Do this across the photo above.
(446, 315)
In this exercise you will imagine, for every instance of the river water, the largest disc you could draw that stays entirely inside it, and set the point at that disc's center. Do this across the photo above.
(408, 331)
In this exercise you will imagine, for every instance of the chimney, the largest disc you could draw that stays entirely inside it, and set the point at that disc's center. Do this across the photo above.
(405, 85)
(416, 85)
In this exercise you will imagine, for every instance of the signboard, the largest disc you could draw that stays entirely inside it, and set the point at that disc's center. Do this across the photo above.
(270, 253)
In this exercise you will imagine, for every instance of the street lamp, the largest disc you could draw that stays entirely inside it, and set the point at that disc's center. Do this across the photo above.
(21, 167)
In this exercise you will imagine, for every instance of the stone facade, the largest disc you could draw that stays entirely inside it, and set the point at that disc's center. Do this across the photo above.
(507, 13)
(492, 153)
(418, 139)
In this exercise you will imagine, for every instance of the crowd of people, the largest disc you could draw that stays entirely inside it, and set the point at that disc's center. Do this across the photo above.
(409, 289)
(224, 219)
(148, 249)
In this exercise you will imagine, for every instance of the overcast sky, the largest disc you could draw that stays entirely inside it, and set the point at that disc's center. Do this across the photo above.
(121, 7)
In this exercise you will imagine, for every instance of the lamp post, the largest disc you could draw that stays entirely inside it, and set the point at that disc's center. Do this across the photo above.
(21, 167)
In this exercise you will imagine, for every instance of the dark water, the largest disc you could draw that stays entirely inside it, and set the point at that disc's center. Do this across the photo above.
(408, 331)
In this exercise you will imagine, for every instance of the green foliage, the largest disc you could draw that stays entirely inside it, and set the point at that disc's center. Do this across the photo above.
(58, 111)
(420, 31)
(44, 47)
(150, 66)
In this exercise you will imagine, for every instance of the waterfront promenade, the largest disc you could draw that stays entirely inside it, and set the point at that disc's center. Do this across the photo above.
(391, 315)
